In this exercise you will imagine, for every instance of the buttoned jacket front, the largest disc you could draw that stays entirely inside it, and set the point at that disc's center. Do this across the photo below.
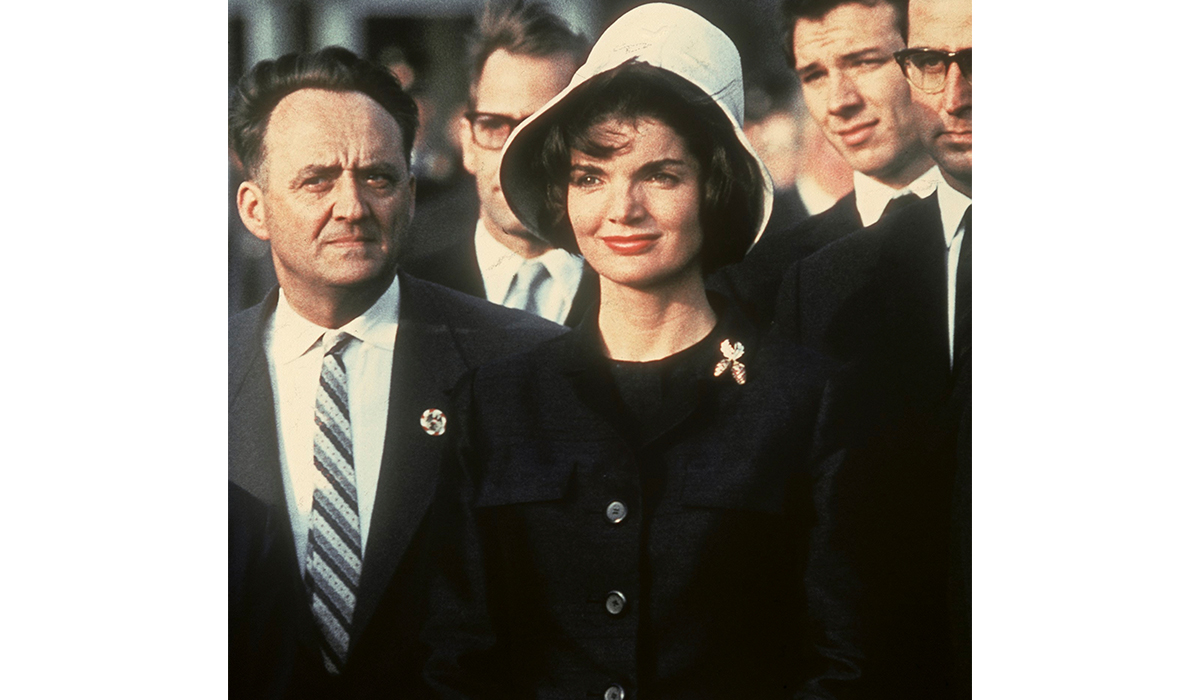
(694, 562)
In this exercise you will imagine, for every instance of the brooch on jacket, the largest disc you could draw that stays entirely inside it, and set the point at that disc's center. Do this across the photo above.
(731, 352)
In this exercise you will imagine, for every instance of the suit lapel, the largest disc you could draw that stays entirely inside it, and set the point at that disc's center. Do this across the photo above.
(472, 276)
(254, 443)
(912, 278)
(425, 366)
(587, 296)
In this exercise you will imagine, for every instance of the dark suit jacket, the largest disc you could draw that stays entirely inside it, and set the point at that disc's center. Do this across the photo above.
(876, 299)
(457, 267)
(754, 282)
(441, 335)
(787, 211)
(726, 556)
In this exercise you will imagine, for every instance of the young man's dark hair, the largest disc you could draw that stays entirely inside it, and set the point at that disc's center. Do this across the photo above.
(792, 10)
(728, 207)
(332, 68)
(523, 28)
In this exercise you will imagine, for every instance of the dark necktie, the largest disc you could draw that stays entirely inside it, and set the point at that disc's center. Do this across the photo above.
(962, 293)
(334, 557)
(898, 203)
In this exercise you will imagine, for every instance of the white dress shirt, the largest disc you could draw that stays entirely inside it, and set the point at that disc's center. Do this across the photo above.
(953, 205)
(294, 357)
(499, 267)
(872, 197)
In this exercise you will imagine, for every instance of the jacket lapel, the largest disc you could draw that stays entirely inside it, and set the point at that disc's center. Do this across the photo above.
(912, 278)
(586, 297)
(426, 364)
(253, 443)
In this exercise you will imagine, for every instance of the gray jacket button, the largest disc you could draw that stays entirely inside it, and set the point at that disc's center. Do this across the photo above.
(614, 603)
(616, 512)
(614, 692)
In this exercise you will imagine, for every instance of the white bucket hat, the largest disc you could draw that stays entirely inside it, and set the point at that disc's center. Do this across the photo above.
(658, 34)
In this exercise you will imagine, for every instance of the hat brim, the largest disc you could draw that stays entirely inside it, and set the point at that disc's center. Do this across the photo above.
(523, 182)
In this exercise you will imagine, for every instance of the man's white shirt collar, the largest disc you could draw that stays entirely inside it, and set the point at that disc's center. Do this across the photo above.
(872, 196)
(296, 335)
(953, 205)
(499, 265)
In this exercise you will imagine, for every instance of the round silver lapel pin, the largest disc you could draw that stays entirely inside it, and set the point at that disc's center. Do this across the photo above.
(433, 421)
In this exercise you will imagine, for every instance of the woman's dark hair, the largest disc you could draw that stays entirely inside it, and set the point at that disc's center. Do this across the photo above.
(332, 68)
(730, 182)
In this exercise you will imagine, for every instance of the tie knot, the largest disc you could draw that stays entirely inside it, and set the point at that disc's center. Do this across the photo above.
(335, 342)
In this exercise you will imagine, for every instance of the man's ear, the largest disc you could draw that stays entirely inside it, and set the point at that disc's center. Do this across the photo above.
(470, 155)
(250, 208)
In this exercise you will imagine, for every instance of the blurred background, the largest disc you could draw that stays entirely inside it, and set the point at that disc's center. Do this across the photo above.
(424, 42)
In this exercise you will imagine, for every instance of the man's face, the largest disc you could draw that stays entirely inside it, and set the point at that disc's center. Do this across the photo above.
(857, 93)
(512, 86)
(945, 25)
(334, 193)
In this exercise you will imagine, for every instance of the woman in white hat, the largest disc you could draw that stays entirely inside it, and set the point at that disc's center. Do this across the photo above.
(643, 506)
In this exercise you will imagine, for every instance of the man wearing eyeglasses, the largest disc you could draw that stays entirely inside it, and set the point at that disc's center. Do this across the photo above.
(522, 55)
(937, 64)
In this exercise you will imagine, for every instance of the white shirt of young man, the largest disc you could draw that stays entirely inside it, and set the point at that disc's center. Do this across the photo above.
(953, 206)
(872, 197)
(294, 357)
(499, 267)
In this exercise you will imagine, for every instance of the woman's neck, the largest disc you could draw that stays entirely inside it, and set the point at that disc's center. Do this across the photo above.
(641, 325)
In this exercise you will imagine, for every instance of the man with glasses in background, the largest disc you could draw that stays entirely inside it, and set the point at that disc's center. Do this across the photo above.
(522, 55)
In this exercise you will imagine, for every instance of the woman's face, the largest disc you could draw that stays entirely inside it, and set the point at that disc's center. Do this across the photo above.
(636, 214)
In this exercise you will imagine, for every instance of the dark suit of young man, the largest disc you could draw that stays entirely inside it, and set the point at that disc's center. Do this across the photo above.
(754, 282)
(877, 300)
(441, 335)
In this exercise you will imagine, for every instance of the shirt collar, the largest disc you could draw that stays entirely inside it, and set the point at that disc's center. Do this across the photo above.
(953, 205)
(872, 196)
(295, 335)
(499, 265)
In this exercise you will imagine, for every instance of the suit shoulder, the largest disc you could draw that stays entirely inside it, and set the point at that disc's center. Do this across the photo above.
(521, 374)
(436, 265)
(245, 327)
(464, 310)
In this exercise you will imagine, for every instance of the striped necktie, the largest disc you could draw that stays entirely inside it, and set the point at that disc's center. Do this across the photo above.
(334, 557)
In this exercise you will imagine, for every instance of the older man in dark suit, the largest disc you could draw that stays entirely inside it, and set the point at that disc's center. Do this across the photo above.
(338, 386)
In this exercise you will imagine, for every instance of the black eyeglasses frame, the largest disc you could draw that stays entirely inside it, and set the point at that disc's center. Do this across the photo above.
(512, 123)
(947, 57)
